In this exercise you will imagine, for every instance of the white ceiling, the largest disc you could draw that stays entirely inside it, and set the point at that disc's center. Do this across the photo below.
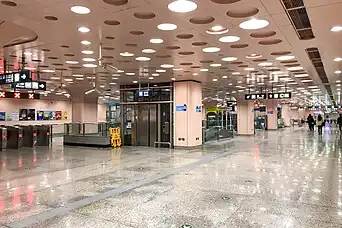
(30, 15)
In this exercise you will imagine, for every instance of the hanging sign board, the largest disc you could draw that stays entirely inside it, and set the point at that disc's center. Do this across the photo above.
(287, 95)
(260, 96)
(34, 85)
(15, 77)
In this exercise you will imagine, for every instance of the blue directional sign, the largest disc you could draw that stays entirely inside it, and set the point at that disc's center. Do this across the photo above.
(181, 108)
(15, 77)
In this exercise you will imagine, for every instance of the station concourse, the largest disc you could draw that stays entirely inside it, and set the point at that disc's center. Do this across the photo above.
(170, 114)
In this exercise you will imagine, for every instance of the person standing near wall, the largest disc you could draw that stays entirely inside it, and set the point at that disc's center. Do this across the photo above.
(320, 124)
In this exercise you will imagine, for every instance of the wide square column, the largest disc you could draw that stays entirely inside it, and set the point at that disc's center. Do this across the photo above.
(272, 111)
(245, 117)
(187, 116)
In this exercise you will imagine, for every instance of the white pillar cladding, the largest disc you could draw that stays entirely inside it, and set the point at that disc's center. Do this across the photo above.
(286, 115)
(245, 117)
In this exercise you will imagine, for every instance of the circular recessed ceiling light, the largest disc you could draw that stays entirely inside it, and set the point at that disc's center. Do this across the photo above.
(229, 59)
(177, 69)
(338, 59)
(229, 39)
(90, 65)
(155, 75)
(80, 9)
(225, 76)
(265, 64)
(254, 24)
(337, 28)
(215, 80)
(48, 71)
(253, 56)
(236, 73)
(85, 42)
(211, 49)
(167, 27)
(215, 65)
(182, 6)
(204, 70)
(156, 41)
(142, 59)
(148, 51)
(338, 72)
(71, 62)
(295, 68)
(87, 52)
(249, 69)
(167, 66)
(120, 71)
(130, 74)
(217, 30)
(83, 29)
(161, 71)
(285, 57)
(135, 82)
(126, 54)
(151, 78)
(89, 60)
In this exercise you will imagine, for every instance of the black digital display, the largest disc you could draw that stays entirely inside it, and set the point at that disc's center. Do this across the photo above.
(18, 95)
(279, 95)
(34, 85)
(260, 96)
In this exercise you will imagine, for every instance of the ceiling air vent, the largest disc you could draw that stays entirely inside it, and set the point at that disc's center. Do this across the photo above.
(299, 18)
(315, 57)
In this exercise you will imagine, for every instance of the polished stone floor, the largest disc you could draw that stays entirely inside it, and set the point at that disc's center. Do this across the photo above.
(287, 179)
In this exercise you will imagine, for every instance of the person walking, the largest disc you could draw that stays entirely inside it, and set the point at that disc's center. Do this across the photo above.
(311, 122)
(339, 122)
(320, 124)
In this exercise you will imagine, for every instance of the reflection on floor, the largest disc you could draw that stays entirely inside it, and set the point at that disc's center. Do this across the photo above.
(278, 179)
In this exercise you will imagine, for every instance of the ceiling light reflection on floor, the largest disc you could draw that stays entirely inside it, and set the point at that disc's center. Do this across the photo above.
(182, 6)
(80, 9)
(254, 24)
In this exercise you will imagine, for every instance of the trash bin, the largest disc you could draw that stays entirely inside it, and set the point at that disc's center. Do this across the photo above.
(3, 138)
(14, 137)
(43, 132)
(29, 136)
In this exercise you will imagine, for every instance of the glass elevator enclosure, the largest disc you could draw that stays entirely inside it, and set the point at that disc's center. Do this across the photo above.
(147, 114)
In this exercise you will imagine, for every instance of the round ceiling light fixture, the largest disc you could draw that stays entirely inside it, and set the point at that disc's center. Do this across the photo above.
(156, 41)
(217, 30)
(236, 73)
(87, 52)
(265, 64)
(182, 6)
(215, 65)
(130, 74)
(337, 28)
(167, 27)
(295, 68)
(338, 59)
(80, 9)
(126, 54)
(254, 24)
(89, 65)
(338, 72)
(83, 29)
(211, 49)
(285, 57)
(89, 60)
(229, 59)
(161, 71)
(85, 42)
(253, 56)
(143, 59)
(204, 70)
(178, 69)
(229, 39)
(249, 69)
(167, 66)
(155, 74)
(71, 62)
(148, 51)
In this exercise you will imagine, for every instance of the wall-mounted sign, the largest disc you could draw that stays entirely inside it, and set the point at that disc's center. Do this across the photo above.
(143, 93)
(34, 85)
(15, 77)
(181, 108)
(198, 108)
(287, 95)
(260, 96)
(18, 95)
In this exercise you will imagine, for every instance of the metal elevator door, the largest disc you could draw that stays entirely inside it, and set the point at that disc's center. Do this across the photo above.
(146, 125)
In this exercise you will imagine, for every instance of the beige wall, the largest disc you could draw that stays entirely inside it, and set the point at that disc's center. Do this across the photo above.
(187, 125)
(271, 106)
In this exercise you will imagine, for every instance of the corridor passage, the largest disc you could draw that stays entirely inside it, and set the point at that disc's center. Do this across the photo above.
(280, 179)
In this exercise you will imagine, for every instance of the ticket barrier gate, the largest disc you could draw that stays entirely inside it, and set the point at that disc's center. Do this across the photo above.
(3, 138)
(29, 136)
(14, 137)
(44, 135)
